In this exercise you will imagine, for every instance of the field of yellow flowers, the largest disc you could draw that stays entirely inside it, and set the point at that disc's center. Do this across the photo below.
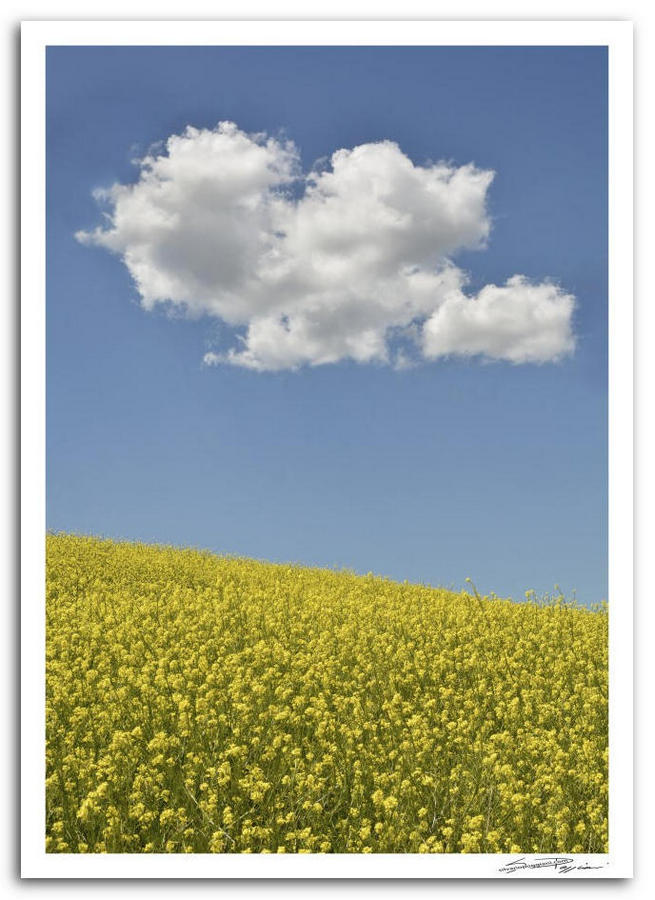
(200, 704)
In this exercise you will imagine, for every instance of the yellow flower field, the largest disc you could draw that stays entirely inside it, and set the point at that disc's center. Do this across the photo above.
(200, 704)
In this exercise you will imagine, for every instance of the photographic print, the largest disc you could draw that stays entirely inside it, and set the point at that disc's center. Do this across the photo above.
(323, 561)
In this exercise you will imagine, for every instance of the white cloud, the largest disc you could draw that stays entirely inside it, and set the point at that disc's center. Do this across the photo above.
(348, 262)
(519, 322)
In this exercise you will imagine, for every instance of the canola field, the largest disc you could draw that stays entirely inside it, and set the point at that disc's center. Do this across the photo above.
(204, 704)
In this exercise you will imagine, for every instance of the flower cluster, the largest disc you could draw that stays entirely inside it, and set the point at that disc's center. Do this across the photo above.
(200, 704)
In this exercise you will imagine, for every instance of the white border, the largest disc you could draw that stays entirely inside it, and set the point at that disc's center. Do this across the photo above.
(35, 36)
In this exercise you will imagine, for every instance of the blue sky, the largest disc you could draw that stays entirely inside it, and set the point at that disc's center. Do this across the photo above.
(450, 468)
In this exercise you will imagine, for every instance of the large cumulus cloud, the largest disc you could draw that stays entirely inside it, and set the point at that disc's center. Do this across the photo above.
(350, 261)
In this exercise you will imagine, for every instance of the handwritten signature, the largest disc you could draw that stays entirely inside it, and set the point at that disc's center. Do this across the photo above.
(561, 864)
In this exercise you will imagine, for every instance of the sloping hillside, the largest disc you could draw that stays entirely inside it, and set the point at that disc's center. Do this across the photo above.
(198, 703)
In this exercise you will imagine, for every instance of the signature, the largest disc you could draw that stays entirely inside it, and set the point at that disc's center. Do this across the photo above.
(561, 864)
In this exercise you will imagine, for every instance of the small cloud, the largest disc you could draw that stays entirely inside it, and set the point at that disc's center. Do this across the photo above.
(326, 266)
(518, 322)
